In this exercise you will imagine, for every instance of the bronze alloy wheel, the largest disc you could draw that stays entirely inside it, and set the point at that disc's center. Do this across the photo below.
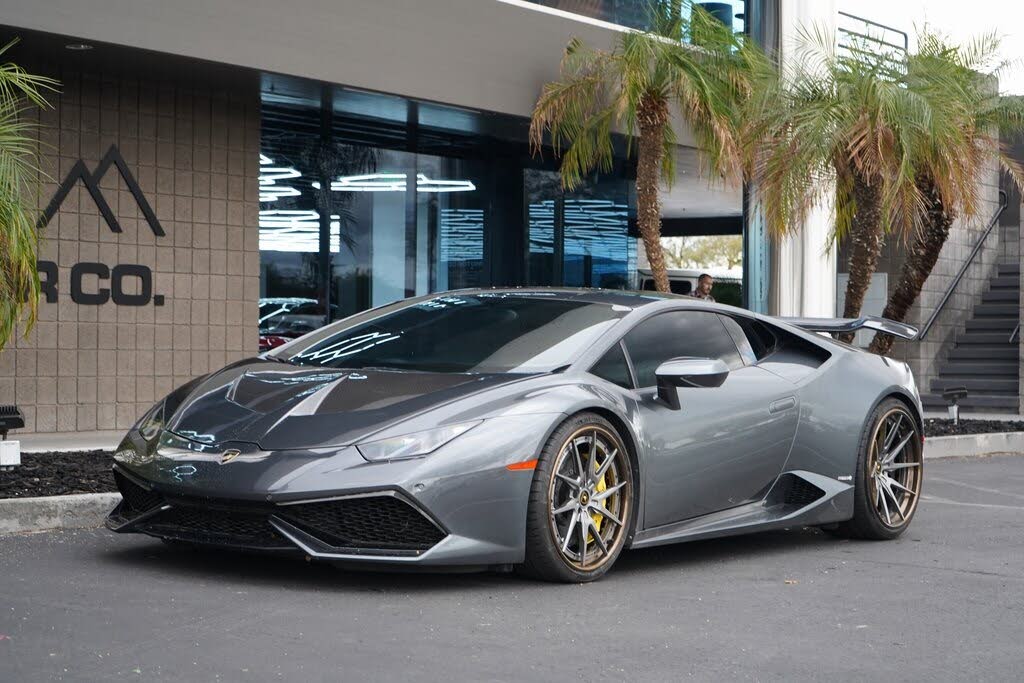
(894, 468)
(589, 498)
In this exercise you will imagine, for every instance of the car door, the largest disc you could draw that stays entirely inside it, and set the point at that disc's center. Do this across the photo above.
(725, 445)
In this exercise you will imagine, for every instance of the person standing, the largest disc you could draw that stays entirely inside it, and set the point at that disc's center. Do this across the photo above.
(704, 284)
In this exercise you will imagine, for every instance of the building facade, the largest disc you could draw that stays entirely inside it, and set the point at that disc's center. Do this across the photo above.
(220, 175)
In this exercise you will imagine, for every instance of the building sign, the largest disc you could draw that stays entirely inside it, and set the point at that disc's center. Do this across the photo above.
(94, 284)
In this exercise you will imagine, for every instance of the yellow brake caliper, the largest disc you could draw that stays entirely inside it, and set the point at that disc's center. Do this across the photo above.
(596, 516)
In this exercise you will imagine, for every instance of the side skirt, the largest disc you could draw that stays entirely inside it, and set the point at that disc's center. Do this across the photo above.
(798, 498)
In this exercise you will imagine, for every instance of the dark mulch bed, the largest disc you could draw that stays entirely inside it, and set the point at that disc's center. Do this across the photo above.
(56, 474)
(945, 427)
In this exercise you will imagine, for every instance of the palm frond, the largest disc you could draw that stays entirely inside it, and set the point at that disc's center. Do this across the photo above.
(19, 176)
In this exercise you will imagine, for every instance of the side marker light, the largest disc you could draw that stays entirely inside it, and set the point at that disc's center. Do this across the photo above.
(525, 465)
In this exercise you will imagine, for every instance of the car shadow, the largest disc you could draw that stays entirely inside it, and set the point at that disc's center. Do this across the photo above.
(292, 570)
(702, 555)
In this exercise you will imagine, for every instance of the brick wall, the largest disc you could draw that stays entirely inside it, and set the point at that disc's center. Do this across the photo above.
(194, 150)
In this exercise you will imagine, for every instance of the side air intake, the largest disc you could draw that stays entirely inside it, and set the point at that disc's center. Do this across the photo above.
(794, 491)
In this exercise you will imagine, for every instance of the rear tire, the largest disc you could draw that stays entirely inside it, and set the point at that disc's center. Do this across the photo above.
(581, 499)
(890, 470)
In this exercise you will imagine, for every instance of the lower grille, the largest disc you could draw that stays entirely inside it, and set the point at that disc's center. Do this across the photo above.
(380, 522)
(219, 526)
(136, 499)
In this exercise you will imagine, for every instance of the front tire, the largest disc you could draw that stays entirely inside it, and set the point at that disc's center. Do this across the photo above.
(581, 502)
(890, 469)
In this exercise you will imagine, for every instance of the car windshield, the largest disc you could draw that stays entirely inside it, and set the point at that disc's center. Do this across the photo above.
(479, 333)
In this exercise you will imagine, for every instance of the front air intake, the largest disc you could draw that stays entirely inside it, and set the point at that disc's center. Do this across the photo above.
(381, 522)
(135, 499)
(193, 522)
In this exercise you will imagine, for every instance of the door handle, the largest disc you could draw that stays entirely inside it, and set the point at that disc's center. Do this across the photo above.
(782, 404)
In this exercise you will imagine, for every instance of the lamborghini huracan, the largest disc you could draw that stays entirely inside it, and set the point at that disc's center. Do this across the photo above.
(541, 430)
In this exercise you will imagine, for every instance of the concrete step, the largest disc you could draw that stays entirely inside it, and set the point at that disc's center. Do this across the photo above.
(1005, 282)
(985, 352)
(1008, 402)
(995, 296)
(976, 368)
(972, 337)
(993, 324)
(977, 385)
(1007, 269)
(996, 310)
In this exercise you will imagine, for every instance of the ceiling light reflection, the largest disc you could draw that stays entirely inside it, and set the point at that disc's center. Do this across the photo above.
(270, 191)
(397, 182)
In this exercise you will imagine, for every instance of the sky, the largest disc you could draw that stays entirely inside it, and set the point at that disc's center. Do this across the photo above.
(960, 20)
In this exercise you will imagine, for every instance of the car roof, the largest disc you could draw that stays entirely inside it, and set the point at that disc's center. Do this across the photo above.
(610, 297)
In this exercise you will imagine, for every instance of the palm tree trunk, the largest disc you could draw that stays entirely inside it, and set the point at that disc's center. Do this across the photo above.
(865, 245)
(652, 117)
(919, 263)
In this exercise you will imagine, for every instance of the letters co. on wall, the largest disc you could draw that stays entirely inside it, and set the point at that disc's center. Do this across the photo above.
(91, 283)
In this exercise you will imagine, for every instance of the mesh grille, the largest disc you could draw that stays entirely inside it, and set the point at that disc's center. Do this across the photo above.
(801, 492)
(136, 499)
(383, 522)
(226, 527)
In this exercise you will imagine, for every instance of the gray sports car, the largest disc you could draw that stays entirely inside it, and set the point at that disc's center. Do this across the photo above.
(545, 430)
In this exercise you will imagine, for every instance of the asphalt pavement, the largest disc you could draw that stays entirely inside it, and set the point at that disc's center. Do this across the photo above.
(944, 602)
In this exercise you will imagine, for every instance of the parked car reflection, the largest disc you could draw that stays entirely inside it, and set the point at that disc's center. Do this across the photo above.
(285, 318)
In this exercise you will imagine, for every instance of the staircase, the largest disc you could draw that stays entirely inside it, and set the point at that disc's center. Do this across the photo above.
(983, 359)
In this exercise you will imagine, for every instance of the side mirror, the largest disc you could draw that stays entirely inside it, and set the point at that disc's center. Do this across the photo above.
(688, 372)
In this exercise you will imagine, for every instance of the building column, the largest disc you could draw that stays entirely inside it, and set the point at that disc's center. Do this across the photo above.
(803, 265)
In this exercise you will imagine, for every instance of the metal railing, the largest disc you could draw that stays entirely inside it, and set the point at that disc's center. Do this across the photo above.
(862, 38)
(867, 33)
(1003, 202)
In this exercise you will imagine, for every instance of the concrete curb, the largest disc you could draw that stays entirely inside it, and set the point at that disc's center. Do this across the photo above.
(77, 511)
(973, 445)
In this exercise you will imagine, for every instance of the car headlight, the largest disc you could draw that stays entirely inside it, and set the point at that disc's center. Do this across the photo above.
(152, 422)
(413, 445)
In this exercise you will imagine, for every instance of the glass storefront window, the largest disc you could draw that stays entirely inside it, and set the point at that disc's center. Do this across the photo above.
(579, 239)
(450, 224)
(367, 199)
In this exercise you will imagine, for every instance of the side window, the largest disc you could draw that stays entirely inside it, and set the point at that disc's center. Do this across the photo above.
(742, 343)
(613, 367)
(760, 338)
(679, 333)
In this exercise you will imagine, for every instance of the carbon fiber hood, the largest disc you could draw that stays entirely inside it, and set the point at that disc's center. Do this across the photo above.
(280, 406)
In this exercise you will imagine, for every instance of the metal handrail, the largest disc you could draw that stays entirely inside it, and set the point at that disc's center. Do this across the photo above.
(868, 22)
(1003, 203)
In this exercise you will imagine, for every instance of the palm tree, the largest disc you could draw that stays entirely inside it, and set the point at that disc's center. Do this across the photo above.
(838, 131)
(960, 143)
(635, 89)
(19, 280)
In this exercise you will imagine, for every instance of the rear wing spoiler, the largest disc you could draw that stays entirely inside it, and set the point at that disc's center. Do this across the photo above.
(867, 322)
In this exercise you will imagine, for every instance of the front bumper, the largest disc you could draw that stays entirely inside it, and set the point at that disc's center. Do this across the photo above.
(458, 507)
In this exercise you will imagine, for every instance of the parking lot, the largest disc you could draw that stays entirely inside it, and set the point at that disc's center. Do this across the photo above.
(945, 602)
